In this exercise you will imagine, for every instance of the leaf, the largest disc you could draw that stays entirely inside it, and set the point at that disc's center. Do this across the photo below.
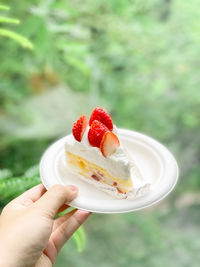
(9, 20)
(5, 173)
(4, 7)
(79, 237)
(17, 37)
(32, 171)
(77, 63)
(12, 187)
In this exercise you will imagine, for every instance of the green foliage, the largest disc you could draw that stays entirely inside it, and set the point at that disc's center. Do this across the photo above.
(11, 34)
(9, 20)
(2, 7)
(79, 237)
(5, 173)
(11, 187)
(14, 36)
(133, 59)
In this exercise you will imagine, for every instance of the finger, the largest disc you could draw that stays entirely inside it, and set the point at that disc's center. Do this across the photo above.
(62, 219)
(54, 198)
(58, 238)
(44, 261)
(30, 195)
(67, 228)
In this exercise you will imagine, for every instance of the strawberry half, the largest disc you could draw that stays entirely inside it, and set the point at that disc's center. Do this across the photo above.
(96, 132)
(102, 116)
(79, 128)
(109, 144)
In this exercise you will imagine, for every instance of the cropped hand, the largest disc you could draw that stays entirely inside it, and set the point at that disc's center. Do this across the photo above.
(29, 233)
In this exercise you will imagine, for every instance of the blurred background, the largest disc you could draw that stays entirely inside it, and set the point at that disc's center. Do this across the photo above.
(138, 59)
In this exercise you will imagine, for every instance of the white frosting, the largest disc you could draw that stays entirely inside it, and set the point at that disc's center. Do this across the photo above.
(117, 164)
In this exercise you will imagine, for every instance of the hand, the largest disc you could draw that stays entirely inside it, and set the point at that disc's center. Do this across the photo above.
(29, 234)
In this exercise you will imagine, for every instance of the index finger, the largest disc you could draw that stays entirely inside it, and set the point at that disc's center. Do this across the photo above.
(54, 198)
(33, 194)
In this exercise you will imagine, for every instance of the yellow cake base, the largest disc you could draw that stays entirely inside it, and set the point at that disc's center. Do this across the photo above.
(94, 172)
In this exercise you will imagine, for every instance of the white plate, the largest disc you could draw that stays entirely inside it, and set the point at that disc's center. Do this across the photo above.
(155, 162)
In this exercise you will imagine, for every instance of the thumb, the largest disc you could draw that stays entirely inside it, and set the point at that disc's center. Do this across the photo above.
(54, 198)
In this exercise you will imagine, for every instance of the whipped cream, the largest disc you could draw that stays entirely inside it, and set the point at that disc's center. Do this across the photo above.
(117, 163)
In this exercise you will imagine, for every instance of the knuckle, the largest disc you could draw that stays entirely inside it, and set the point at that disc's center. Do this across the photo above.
(62, 192)
(59, 189)
(64, 232)
(77, 221)
(59, 192)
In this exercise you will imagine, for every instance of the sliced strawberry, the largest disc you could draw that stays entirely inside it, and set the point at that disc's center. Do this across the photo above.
(96, 132)
(79, 128)
(102, 116)
(109, 144)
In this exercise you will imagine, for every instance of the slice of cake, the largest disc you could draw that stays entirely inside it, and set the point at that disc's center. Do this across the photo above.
(95, 153)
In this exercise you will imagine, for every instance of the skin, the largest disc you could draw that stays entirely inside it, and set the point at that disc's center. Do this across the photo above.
(29, 233)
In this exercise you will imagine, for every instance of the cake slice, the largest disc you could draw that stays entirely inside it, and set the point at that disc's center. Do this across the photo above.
(94, 153)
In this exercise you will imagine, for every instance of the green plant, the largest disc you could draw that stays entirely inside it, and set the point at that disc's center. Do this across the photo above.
(11, 186)
(23, 41)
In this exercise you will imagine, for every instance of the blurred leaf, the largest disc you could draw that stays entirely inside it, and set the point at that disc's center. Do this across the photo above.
(16, 37)
(32, 171)
(9, 20)
(14, 186)
(3, 7)
(80, 239)
(78, 64)
(5, 173)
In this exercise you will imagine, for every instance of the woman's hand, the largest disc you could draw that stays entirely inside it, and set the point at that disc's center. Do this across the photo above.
(29, 234)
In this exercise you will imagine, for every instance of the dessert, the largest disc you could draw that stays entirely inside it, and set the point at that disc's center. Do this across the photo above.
(95, 153)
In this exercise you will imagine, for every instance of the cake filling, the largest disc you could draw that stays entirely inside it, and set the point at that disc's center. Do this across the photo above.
(94, 172)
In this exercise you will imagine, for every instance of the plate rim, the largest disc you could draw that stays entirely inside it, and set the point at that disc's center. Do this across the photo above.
(146, 141)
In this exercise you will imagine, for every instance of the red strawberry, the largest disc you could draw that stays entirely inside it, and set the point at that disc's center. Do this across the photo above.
(102, 116)
(109, 144)
(96, 132)
(79, 128)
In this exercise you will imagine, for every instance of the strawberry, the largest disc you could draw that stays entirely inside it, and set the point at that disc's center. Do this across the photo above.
(109, 144)
(79, 128)
(96, 132)
(102, 116)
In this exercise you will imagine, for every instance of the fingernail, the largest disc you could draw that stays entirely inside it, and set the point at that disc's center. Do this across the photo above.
(73, 188)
